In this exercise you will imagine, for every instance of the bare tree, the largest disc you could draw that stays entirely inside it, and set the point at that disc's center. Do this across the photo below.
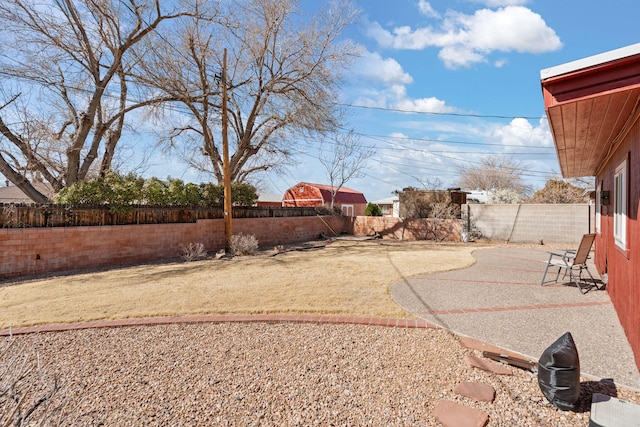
(560, 191)
(185, 69)
(442, 214)
(494, 173)
(431, 183)
(282, 78)
(69, 63)
(344, 157)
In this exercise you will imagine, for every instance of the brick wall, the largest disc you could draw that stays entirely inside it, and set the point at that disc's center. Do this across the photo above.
(30, 251)
(561, 223)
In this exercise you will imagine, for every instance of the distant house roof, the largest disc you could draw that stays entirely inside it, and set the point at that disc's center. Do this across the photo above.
(478, 196)
(12, 194)
(386, 201)
(269, 198)
(344, 194)
(322, 193)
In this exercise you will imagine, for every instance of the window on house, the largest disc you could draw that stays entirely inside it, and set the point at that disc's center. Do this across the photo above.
(620, 205)
(347, 210)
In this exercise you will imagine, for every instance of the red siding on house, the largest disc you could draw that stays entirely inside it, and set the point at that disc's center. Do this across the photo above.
(592, 108)
(621, 266)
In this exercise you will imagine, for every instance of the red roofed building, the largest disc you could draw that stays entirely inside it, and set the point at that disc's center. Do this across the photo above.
(593, 107)
(351, 202)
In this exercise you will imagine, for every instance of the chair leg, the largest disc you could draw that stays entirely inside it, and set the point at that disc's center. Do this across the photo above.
(558, 275)
(577, 280)
(545, 274)
(595, 284)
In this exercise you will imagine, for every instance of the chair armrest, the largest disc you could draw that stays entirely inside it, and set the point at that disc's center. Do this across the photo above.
(565, 257)
(557, 254)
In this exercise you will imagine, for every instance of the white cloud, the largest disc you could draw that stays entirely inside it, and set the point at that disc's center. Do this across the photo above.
(512, 28)
(427, 10)
(375, 31)
(398, 135)
(500, 63)
(498, 3)
(459, 56)
(373, 67)
(423, 105)
(467, 39)
(388, 88)
(401, 37)
(521, 132)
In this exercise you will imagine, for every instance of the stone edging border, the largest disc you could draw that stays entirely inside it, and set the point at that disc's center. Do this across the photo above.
(223, 318)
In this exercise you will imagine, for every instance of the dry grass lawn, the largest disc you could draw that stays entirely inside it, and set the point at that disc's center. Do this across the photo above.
(345, 277)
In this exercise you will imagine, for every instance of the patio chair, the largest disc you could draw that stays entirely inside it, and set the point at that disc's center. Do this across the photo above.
(574, 262)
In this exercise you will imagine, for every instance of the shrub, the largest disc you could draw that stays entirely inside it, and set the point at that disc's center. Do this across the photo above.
(241, 194)
(193, 251)
(156, 192)
(117, 191)
(243, 244)
(121, 192)
(372, 210)
(505, 197)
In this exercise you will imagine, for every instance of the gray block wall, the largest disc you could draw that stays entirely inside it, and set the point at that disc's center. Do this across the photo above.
(561, 223)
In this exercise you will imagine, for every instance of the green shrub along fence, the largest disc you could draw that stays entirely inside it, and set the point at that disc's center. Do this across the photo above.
(24, 216)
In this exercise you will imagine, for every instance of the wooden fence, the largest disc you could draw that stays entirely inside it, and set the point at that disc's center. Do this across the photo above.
(26, 216)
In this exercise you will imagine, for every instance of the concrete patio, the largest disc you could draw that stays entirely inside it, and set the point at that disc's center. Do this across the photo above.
(499, 300)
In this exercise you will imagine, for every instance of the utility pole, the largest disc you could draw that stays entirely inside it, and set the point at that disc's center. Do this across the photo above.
(225, 159)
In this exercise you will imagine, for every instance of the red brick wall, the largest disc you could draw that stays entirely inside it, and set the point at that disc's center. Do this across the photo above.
(29, 251)
(408, 229)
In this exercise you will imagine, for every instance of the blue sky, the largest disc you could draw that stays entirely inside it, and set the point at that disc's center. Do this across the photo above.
(443, 83)
(476, 64)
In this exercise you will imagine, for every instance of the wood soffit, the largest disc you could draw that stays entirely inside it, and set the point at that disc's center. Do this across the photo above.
(590, 111)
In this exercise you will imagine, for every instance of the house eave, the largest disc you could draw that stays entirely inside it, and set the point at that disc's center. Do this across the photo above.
(589, 103)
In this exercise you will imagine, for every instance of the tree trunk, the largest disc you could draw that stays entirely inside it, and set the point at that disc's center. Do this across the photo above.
(21, 182)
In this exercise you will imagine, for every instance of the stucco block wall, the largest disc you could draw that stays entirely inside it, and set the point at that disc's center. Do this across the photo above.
(532, 223)
(30, 251)
(408, 229)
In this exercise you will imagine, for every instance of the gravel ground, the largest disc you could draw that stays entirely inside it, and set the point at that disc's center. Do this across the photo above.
(271, 375)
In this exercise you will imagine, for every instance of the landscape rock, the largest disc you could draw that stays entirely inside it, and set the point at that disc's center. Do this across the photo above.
(453, 414)
(487, 365)
(477, 391)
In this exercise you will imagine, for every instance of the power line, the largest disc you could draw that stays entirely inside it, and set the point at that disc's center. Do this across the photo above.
(442, 168)
(437, 113)
(444, 141)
